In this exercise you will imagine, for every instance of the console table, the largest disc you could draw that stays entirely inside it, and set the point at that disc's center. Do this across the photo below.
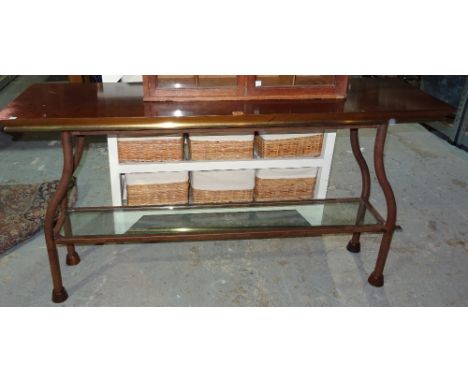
(77, 110)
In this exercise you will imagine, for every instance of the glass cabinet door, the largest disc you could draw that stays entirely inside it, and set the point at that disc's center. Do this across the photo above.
(297, 86)
(293, 81)
(193, 82)
(190, 87)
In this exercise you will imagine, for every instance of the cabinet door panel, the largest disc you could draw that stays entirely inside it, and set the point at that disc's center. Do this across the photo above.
(191, 87)
(296, 86)
(194, 82)
(293, 81)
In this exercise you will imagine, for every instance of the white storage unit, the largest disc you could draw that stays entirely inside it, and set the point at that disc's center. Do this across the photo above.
(322, 162)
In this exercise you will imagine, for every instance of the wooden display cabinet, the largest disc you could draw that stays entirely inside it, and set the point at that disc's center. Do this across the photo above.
(253, 87)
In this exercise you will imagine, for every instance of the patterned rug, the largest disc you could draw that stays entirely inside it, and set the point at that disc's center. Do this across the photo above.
(22, 211)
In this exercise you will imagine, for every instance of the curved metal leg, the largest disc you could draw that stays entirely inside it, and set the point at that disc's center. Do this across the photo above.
(72, 256)
(80, 144)
(376, 278)
(59, 294)
(354, 244)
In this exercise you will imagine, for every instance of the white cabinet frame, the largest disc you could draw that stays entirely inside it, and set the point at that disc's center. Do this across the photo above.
(117, 169)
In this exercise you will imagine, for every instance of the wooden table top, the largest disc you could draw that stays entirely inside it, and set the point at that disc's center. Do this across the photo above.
(117, 107)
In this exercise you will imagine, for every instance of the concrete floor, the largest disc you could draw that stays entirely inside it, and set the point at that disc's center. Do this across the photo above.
(427, 265)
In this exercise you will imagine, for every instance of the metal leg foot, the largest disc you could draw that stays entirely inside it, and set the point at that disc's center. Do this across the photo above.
(59, 296)
(354, 247)
(376, 281)
(73, 258)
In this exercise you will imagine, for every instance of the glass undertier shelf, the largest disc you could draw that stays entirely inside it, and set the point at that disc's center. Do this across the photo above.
(251, 220)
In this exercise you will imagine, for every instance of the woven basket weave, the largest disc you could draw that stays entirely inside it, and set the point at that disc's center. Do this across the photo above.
(158, 194)
(154, 150)
(228, 196)
(289, 147)
(284, 189)
(220, 150)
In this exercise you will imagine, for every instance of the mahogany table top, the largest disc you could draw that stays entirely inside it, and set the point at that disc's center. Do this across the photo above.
(120, 106)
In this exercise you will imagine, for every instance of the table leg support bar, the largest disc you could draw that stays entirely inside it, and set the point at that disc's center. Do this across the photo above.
(376, 278)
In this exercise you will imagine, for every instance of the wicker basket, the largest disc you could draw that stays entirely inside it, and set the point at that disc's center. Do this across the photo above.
(288, 145)
(151, 149)
(285, 184)
(222, 147)
(164, 188)
(230, 186)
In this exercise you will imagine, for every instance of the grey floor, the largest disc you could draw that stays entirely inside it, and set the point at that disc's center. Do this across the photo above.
(427, 266)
